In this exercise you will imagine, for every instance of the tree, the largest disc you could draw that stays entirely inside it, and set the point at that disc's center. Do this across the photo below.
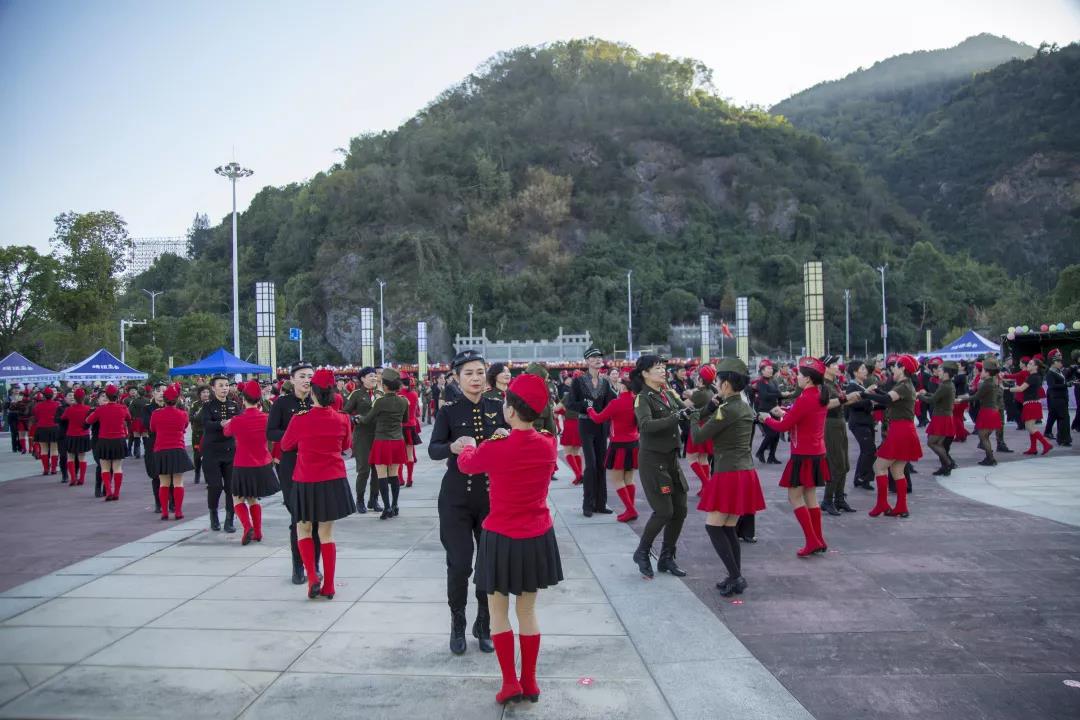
(199, 235)
(25, 277)
(198, 334)
(93, 250)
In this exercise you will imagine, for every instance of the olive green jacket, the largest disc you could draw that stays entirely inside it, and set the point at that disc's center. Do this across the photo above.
(731, 429)
(657, 420)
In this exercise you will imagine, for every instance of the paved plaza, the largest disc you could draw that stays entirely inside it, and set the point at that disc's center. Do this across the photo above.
(969, 609)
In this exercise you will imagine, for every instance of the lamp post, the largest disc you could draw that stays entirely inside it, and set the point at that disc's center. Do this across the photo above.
(153, 310)
(233, 172)
(884, 322)
(123, 341)
(382, 325)
(629, 319)
(847, 325)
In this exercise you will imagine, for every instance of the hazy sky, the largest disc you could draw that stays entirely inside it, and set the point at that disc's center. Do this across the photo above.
(128, 106)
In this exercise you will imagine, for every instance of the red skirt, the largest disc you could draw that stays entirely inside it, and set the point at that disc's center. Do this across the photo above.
(411, 434)
(737, 492)
(388, 452)
(622, 456)
(988, 419)
(137, 426)
(570, 435)
(806, 471)
(940, 425)
(1032, 411)
(693, 448)
(901, 442)
(959, 430)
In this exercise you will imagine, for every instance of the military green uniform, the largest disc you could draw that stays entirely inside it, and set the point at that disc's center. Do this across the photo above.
(836, 449)
(657, 414)
(731, 430)
(196, 437)
(546, 421)
(357, 406)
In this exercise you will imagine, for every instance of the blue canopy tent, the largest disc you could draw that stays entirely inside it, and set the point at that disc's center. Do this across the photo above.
(17, 369)
(221, 361)
(101, 366)
(966, 347)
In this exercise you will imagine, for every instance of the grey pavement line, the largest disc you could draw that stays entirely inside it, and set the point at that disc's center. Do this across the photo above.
(978, 484)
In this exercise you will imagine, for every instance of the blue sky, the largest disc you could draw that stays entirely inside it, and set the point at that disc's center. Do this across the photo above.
(129, 105)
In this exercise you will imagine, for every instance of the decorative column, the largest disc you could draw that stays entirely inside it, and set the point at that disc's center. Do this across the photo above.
(266, 324)
(367, 337)
(421, 349)
(704, 338)
(814, 306)
(742, 329)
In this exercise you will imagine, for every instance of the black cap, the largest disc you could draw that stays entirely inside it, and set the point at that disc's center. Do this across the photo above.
(364, 372)
(218, 376)
(593, 352)
(466, 356)
(300, 365)
(830, 360)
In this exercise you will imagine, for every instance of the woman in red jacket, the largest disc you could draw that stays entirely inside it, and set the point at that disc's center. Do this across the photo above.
(807, 468)
(170, 458)
(622, 452)
(46, 431)
(77, 436)
(113, 419)
(517, 553)
(410, 429)
(253, 469)
(321, 491)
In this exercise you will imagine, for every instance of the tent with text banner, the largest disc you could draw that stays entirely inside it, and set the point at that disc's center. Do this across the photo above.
(221, 361)
(17, 369)
(968, 346)
(102, 366)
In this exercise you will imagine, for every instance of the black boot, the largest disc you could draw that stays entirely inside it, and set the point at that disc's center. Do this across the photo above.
(299, 577)
(229, 522)
(215, 524)
(457, 632)
(644, 562)
(1003, 448)
(667, 564)
(827, 505)
(772, 460)
(481, 630)
(842, 504)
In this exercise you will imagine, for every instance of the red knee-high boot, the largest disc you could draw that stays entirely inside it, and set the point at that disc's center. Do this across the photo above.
(633, 494)
(82, 472)
(802, 514)
(815, 520)
(1031, 444)
(306, 546)
(504, 651)
(73, 479)
(409, 467)
(901, 509)
(163, 498)
(574, 461)
(882, 504)
(530, 650)
(106, 484)
(256, 521)
(241, 511)
(328, 553)
(178, 502)
(118, 479)
(45, 463)
(1045, 443)
(625, 495)
(54, 463)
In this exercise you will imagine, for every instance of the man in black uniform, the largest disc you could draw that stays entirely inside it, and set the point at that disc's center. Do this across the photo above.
(288, 404)
(463, 499)
(592, 390)
(767, 395)
(218, 450)
(1057, 399)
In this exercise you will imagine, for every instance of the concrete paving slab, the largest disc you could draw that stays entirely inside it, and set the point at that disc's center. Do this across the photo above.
(146, 586)
(706, 687)
(37, 674)
(95, 566)
(133, 692)
(11, 607)
(187, 648)
(609, 699)
(225, 567)
(347, 567)
(47, 586)
(198, 550)
(135, 549)
(281, 588)
(300, 614)
(407, 590)
(12, 683)
(417, 566)
(54, 645)
(102, 612)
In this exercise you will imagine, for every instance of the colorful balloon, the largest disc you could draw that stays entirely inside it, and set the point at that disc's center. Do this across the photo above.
(1076, 325)
(1012, 330)
(1011, 336)
(1044, 327)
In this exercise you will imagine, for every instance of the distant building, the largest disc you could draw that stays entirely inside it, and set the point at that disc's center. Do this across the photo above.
(144, 251)
(562, 348)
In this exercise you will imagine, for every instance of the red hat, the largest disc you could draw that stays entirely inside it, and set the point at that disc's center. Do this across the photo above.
(252, 390)
(934, 361)
(171, 394)
(111, 389)
(350, 386)
(79, 393)
(323, 379)
(765, 362)
(812, 364)
(707, 373)
(1037, 356)
(149, 388)
(47, 392)
(532, 389)
(890, 359)
(1025, 359)
(578, 373)
(910, 364)
(978, 365)
(26, 392)
(1054, 354)
(38, 397)
(691, 364)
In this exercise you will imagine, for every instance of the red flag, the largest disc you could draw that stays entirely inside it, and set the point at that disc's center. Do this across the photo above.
(725, 329)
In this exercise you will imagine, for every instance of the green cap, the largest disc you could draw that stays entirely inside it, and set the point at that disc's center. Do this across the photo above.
(535, 368)
(390, 374)
(950, 365)
(991, 363)
(732, 365)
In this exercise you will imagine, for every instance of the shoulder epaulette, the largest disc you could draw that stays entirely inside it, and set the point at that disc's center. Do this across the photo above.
(543, 431)
(496, 437)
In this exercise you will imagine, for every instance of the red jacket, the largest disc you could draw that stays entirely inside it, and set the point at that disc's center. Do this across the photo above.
(249, 429)
(168, 424)
(414, 409)
(620, 412)
(806, 423)
(44, 414)
(319, 436)
(75, 417)
(519, 468)
(113, 418)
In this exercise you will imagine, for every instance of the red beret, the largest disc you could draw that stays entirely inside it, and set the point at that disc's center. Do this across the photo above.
(323, 378)
(79, 393)
(978, 365)
(532, 389)
(171, 394)
(111, 389)
(890, 359)
(813, 364)
(765, 362)
(252, 390)
(47, 392)
(149, 388)
(707, 373)
(1037, 356)
(350, 386)
(910, 364)
(578, 373)
(935, 361)
(1054, 354)
(38, 397)
(1025, 359)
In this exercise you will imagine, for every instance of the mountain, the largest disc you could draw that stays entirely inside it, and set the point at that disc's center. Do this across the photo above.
(530, 188)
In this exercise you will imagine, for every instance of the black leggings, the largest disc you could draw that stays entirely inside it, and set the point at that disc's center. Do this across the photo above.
(864, 436)
(769, 441)
(594, 448)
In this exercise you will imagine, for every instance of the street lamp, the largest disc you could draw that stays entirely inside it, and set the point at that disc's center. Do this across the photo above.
(884, 323)
(382, 325)
(847, 325)
(124, 324)
(629, 319)
(153, 310)
(233, 172)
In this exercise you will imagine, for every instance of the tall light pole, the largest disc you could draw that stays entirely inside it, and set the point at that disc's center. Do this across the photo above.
(382, 325)
(629, 319)
(470, 320)
(153, 310)
(123, 340)
(233, 172)
(884, 322)
(847, 325)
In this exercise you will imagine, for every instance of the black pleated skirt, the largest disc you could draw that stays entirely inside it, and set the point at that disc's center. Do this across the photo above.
(171, 462)
(111, 448)
(78, 443)
(47, 435)
(512, 566)
(254, 482)
(322, 501)
(411, 435)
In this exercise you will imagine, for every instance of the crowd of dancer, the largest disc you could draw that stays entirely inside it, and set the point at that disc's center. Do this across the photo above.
(499, 435)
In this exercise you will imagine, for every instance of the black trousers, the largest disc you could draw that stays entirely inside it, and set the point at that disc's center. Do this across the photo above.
(659, 471)
(770, 439)
(864, 436)
(196, 459)
(218, 472)
(364, 471)
(460, 520)
(1058, 412)
(594, 449)
(13, 428)
(61, 450)
(285, 470)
